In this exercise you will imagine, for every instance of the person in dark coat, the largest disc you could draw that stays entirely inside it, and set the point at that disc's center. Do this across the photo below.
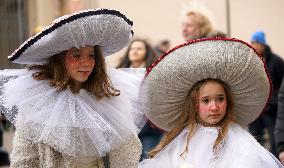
(275, 68)
(162, 47)
(279, 127)
(4, 156)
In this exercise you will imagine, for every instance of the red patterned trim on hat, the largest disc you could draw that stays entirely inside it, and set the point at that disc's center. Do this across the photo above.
(214, 39)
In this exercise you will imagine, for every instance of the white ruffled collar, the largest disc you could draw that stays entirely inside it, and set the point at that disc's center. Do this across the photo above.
(77, 125)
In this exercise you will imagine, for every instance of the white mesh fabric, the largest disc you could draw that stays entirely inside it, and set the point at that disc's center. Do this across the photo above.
(239, 149)
(74, 124)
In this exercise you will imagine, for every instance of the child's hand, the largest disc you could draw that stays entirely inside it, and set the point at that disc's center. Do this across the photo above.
(281, 157)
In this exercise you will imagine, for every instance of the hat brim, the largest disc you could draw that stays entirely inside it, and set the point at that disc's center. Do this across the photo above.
(233, 61)
(106, 28)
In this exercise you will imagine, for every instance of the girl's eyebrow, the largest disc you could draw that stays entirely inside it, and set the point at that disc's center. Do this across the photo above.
(219, 95)
(204, 97)
(74, 50)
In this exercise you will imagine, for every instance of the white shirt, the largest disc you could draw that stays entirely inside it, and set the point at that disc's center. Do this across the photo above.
(239, 150)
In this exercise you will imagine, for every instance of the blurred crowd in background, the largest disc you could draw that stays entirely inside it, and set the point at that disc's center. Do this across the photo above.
(142, 52)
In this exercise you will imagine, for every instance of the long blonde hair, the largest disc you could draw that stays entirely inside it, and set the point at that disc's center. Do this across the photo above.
(189, 119)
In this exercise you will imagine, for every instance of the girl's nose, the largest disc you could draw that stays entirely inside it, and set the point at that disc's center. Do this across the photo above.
(86, 61)
(213, 106)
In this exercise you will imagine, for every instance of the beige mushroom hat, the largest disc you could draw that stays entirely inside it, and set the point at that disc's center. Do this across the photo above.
(235, 62)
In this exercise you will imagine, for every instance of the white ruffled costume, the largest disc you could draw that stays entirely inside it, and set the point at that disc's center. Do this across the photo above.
(239, 150)
(77, 125)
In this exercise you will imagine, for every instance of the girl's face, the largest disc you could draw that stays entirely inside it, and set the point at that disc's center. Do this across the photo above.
(212, 103)
(137, 52)
(80, 63)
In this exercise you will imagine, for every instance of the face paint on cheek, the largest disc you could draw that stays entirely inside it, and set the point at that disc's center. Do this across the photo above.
(222, 106)
(71, 61)
(92, 63)
(204, 108)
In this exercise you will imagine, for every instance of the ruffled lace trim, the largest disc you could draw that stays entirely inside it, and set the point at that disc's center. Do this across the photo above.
(74, 124)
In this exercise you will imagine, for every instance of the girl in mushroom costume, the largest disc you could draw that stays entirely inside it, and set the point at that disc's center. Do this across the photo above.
(203, 93)
(68, 109)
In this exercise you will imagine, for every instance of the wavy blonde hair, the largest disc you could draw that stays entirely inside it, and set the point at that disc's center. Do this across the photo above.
(202, 15)
(204, 24)
(189, 118)
(98, 83)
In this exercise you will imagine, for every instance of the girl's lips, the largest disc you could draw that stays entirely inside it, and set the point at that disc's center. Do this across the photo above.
(214, 115)
(85, 72)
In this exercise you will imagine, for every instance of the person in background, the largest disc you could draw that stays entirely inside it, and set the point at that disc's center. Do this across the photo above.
(140, 54)
(275, 67)
(195, 25)
(162, 47)
(279, 127)
(217, 33)
(1, 130)
(4, 156)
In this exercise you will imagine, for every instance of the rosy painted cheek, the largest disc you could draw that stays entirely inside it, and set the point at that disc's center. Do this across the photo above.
(209, 107)
(204, 108)
(92, 63)
(222, 106)
(72, 61)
